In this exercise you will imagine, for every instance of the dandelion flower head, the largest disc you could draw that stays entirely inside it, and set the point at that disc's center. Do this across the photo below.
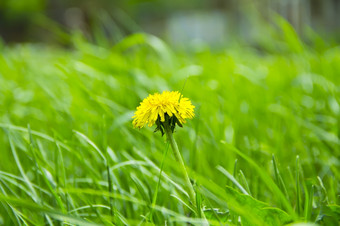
(158, 108)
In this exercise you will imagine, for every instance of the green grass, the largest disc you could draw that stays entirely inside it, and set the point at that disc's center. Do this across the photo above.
(263, 148)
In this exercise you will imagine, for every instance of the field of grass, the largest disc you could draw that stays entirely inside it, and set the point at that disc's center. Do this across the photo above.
(263, 148)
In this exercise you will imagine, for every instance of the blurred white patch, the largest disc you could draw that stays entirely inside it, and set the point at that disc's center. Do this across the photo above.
(320, 104)
(244, 107)
(197, 27)
(334, 105)
(23, 96)
(213, 84)
(256, 76)
(112, 154)
(306, 81)
(191, 70)
(307, 101)
(30, 175)
(229, 134)
(192, 134)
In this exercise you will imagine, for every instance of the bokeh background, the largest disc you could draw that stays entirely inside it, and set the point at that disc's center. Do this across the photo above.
(182, 23)
(263, 75)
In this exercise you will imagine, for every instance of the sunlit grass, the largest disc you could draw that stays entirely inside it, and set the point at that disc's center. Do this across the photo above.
(266, 126)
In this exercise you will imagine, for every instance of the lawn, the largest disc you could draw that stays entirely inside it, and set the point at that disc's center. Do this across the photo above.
(262, 149)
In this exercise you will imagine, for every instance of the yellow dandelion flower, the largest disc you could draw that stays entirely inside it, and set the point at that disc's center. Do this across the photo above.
(166, 110)
(159, 108)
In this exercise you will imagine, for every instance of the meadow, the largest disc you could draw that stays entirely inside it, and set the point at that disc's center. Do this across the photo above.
(262, 149)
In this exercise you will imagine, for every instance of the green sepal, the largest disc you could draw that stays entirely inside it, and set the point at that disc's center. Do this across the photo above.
(171, 121)
(159, 126)
(178, 123)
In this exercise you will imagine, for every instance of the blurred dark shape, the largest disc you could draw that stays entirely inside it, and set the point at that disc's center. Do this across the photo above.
(211, 21)
(323, 15)
(75, 19)
(16, 18)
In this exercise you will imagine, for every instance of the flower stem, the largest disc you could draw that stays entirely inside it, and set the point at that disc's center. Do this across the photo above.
(179, 159)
